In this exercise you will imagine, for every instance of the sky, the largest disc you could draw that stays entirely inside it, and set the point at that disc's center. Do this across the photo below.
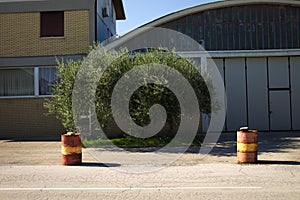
(139, 12)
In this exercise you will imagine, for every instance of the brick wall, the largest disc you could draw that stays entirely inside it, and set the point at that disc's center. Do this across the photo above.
(26, 118)
(20, 35)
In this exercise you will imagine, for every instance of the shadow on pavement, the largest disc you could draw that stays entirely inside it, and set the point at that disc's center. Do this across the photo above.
(267, 142)
(277, 162)
(95, 164)
(31, 139)
(278, 148)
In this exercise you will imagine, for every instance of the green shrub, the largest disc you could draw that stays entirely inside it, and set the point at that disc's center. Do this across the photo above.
(142, 99)
(150, 94)
(60, 103)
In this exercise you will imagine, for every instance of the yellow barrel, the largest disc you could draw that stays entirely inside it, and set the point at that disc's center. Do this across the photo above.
(71, 149)
(247, 146)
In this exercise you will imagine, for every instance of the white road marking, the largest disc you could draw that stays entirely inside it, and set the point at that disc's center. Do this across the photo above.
(127, 188)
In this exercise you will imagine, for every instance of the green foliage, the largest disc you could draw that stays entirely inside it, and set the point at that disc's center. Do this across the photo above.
(141, 100)
(150, 94)
(61, 102)
(136, 142)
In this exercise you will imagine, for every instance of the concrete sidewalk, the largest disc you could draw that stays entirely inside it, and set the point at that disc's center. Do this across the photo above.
(33, 170)
(275, 147)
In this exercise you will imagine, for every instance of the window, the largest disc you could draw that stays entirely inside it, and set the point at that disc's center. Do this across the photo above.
(52, 24)
(33, 81)
(47, 77)
(16, 82)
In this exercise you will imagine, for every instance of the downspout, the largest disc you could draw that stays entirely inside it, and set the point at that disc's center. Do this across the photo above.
(96, 22)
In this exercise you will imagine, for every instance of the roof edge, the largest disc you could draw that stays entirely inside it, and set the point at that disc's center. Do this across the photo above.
(195, 9)
(42, 5)
(120, 12)
(216, 5)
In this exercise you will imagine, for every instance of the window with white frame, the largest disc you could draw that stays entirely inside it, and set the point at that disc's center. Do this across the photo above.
(17, 82)
(34, 81)
(47, 77)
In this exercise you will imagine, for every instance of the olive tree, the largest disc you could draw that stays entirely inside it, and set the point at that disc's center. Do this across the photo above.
(141, 100)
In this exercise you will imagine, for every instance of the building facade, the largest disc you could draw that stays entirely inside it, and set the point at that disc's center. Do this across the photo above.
(33, 35)
(108, 11)
(256, 47)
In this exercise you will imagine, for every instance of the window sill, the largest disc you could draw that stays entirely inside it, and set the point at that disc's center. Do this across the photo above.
(25, 97)
(53, 37)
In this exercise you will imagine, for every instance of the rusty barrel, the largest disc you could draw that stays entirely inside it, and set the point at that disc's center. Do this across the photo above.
(71, 149)
(247, 146)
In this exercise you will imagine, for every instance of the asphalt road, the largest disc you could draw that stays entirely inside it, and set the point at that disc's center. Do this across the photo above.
(203, 181)
(33, 170)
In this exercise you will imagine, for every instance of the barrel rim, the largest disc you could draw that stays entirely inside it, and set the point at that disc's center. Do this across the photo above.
(249, 131)
(68, 134)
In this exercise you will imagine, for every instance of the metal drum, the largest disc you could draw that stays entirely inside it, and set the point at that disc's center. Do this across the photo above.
(247, 146)
(71, 149)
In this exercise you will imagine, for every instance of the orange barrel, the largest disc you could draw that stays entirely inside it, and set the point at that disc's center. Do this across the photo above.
(247, 146)
(71, 149)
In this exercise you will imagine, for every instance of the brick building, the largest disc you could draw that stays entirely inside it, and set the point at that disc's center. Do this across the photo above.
(33, 34)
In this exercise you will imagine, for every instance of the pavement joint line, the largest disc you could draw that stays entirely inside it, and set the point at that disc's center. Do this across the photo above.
(127, 188)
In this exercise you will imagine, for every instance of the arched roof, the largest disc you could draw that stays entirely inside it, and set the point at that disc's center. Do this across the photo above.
(217, 5)
(197, 9)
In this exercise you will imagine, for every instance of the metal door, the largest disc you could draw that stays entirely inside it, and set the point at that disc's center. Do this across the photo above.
(235, 81)
(279, 93)
(280, 115)
(295, 91)
(258, 112)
